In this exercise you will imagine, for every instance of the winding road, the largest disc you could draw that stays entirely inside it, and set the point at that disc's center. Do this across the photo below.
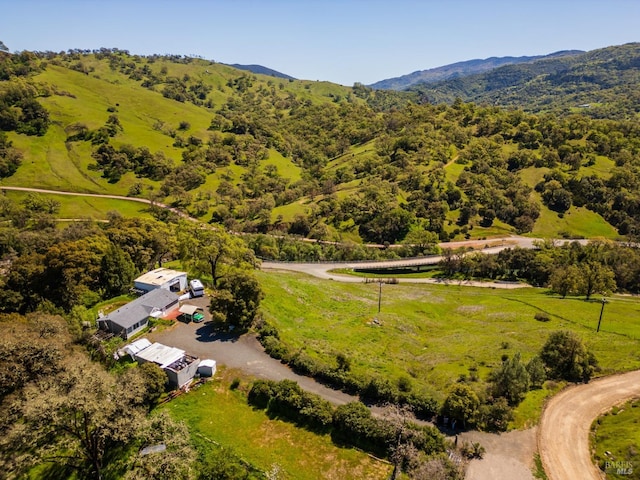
(563, 434)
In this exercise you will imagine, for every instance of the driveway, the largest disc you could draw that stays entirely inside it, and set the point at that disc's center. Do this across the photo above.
(244, 353)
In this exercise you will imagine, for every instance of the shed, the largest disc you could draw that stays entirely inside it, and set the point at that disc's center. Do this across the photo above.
(179, 366)
(163, 278)
(207, 368)
(134, 316)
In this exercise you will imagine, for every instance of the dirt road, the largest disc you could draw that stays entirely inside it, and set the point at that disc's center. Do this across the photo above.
(563, 434)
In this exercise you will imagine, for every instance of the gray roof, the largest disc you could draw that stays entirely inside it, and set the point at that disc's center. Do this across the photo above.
(141, 308)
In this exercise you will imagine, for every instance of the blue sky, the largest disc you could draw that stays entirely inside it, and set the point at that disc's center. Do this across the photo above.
(340, 41)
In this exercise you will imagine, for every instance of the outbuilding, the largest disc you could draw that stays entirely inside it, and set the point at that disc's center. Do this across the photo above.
(134, 316)
(179, 366)
(207, 368)
(163, 278)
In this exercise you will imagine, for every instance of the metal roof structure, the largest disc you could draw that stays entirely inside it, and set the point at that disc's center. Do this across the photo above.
(160, 354)
(137, 346)
(188, 309)
(159, 276)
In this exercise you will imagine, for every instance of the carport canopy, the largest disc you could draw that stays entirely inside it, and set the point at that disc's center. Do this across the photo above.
(188, 309)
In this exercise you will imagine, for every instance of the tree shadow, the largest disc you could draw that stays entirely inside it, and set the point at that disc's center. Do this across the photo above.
(209, 333)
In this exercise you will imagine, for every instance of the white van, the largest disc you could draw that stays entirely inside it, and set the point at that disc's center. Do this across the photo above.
(196, 288)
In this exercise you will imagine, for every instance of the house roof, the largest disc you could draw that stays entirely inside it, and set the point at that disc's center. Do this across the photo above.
(141, 308)
(159, 276)
(160, 354)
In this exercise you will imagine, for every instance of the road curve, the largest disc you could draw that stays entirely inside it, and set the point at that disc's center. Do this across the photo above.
(563, 434)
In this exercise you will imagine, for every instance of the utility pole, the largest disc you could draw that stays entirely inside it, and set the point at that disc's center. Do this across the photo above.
(379, 296)
(604, 300)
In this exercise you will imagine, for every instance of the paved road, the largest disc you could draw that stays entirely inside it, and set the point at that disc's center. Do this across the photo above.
(491, 247)
(563, 434)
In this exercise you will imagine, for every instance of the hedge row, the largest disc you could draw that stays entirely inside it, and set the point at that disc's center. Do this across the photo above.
(352, 423)
(370, 389)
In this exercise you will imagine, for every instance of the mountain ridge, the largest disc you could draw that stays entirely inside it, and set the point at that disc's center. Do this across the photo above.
(262, 70)
(461, 69)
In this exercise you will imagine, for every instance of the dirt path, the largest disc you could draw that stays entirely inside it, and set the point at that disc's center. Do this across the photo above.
(563, 434)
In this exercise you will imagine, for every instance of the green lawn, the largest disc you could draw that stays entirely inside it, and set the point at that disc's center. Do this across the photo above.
(223, 416)
(435, 333)
(618, 432)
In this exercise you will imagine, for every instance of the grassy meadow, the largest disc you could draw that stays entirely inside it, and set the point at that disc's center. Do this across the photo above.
(618, 432)
(94, 208)
(222, 416)
(434, 334)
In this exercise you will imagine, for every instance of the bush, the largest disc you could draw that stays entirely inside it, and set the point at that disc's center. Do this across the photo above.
(353, 424)
(287, 399)
(260, 393)
(423, 406)
(380, 390)
(495, 417)
(268, 330)
(542, 317)
(275, 348)
(303, 364)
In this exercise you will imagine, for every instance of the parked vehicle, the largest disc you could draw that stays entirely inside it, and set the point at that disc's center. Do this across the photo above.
(196, 288)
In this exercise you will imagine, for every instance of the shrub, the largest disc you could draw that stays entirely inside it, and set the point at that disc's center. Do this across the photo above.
(542, 317)
(380, 390)
(423, 406)
(260, 393)
(495, 417)
(275, 348)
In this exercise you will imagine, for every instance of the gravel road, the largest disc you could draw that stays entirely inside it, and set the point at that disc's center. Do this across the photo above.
(563, 434)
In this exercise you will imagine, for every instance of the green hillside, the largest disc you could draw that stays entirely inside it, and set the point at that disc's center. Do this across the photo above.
(601, 83)
(261, 154)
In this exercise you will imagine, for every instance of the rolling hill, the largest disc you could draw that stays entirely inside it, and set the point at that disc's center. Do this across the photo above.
(603, 83)
(261, 154)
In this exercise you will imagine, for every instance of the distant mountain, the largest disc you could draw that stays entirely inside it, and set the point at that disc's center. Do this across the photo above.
(460, 69)
(605, 82)
(262, 70)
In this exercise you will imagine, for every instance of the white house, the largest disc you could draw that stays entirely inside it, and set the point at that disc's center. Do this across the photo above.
(163, 278)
